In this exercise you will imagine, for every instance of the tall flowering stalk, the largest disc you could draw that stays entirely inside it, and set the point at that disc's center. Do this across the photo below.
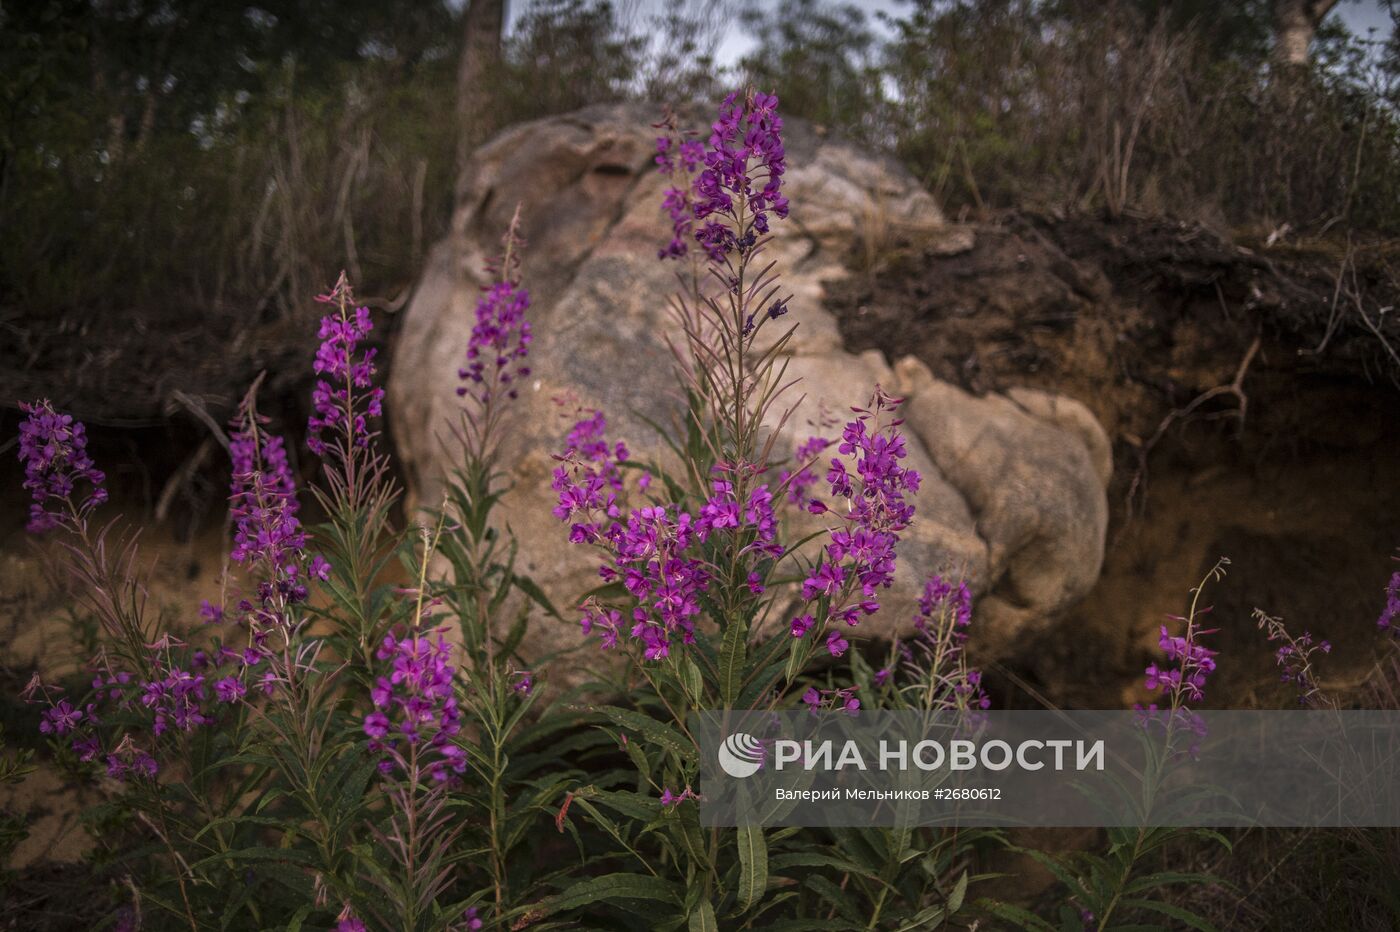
(933, 662)
(345, 398)
(359, 491)
(1106, 885)
(496, 363)
(1294, 658)
(268, 539)
(53, 449)
(66, 488)
(149, 690)
(497, 350)
(481, 559)
(694, 559)
(858, 560)
(1389, 620)
(413, 729)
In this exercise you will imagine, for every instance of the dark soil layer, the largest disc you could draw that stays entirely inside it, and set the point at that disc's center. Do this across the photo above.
(1295, 478)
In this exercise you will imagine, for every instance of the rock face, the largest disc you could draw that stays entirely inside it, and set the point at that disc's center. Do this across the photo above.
(1013, 495)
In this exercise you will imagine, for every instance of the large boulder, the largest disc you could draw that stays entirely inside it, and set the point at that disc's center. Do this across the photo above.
(1013, 495)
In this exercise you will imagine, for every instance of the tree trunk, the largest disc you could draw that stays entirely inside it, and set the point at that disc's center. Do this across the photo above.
(483, 27)
(1295, 24)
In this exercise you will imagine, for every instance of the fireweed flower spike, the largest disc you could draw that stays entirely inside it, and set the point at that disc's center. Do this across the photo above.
(1182, 680)
(66, 489)
(733, 200)
(934, 661)
(1390, 615)
(345, 396)
(267, 534)
(802, 478)
(1294, 657)
(678, 157)
(497, 349)
(415, 717)
(53, 449)
(859, 558)
(743, 175)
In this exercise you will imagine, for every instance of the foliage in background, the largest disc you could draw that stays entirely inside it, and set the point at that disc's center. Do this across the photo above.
(1135, 104)
(183, 174)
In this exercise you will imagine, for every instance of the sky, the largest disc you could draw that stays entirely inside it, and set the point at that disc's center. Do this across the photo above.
(1359, 16)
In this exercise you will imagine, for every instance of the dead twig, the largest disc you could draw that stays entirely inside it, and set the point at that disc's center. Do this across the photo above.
(1235, 388)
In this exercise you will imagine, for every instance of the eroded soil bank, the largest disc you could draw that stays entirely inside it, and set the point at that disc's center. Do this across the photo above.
(1249, 390)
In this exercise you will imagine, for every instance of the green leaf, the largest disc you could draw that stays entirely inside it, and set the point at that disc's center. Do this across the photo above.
(1184, 916)
(532, 589)
(1165, 878)
(694, 682)
(753, 866)
(607, 889)
(691, 838)
(834, 895)
(299, 917)
(955, 899)
(731, 662)
(702, 917)
(817, 859)
(1023, 919)
(651, 729)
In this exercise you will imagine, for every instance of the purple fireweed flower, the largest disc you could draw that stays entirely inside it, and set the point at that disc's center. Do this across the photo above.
(935, 654)
(262, 498)
(176, 697)
(1194, 664)
(345, 396)
(53, 449)
(1294, 656)
(826, 580)
(129, 760)
(836, 645)
(859, 558)
(677, 157)
(416, 709)
(588, 478)
(347, 921)
(499, 343)
(605, 622)
(647, 548)
(834, 699)
(743, 175)
(649, 558)
(60, 719)
(471, 921)
(230, 689)
(803, 479)
(113, 683)
(267, 533)
(319, 568)
(1391, 613)
(526, 682)
(939, 593)
(724, 512)
(671, 800)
